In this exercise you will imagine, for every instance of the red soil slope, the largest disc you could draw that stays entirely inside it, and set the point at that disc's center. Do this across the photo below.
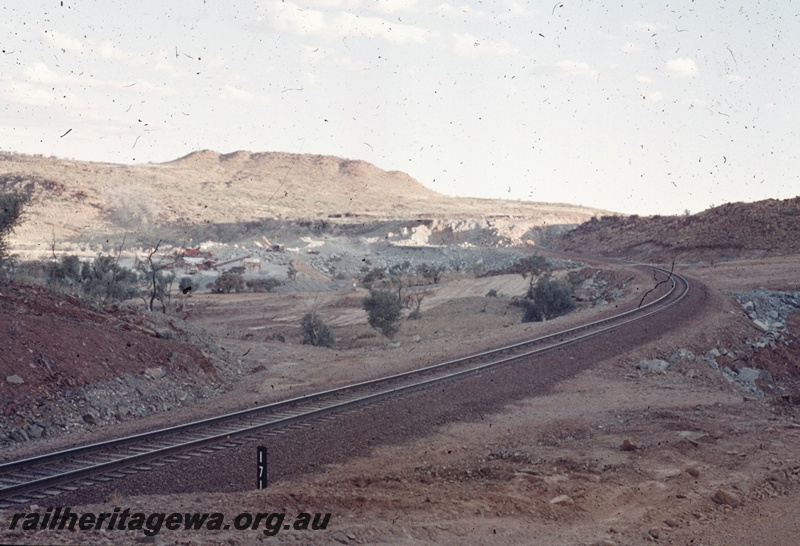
(733, 230)
(54, 342)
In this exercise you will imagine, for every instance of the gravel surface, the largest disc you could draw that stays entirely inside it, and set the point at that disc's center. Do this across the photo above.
(608, 455)
(299, 452)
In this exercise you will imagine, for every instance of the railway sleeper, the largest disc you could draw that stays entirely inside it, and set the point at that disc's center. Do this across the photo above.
(93, 460)
(20, 478)
(161, 445)
(143, 449)
(19, 500)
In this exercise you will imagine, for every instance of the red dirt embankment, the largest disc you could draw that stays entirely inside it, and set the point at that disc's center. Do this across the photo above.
(52, 342)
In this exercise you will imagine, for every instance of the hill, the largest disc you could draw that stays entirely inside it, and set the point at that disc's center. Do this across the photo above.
(73, 200)
(734, 230)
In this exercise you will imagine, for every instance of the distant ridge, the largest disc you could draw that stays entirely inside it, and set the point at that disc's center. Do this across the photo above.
(733, 230)
(73, 198)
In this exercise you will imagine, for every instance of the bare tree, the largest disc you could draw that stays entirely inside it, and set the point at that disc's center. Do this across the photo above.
(413, 299)
(400, 278)
(160, 284)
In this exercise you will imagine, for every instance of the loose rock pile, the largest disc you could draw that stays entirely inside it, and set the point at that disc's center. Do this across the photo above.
(714, 365)
(768, 310)
(129, 396)
(597, 286)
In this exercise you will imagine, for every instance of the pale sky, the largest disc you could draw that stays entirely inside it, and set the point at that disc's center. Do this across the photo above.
(635, 107)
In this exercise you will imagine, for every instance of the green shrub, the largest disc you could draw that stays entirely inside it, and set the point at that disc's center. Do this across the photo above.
(12, 205)
(315, 332)
(263, 285)
(104, 280)
(373, 275)
(226, 282)
(552, 298)
(383, 312)
(67, 272)
(188, 285)
(532, 312)
(491, 293)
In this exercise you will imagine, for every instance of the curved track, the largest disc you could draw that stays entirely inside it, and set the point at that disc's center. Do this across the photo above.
(33, 478)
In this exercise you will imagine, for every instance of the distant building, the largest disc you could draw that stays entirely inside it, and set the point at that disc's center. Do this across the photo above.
(252, 265)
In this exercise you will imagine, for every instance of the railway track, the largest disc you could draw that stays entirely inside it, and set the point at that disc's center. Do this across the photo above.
(32, 479)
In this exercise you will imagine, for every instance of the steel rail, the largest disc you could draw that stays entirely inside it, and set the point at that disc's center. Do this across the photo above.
(221, 430)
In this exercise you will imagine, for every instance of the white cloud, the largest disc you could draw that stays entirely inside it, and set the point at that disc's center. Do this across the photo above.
(314, 53)
(350, 24)
(24, 93)
(40, 73)
(341, 4)
(384, 6)
(109, 50)
(464, 11)
(576, 69)
(309, 78)
(163, 66)
(461, 11)
(655, 96)
(519, 10)
(393, 6)
(106, 50)
(644, 26)
(643, 79)
(218, 61)
(682, 67)
(289, 17)
(147, 87)
(63, 42)
(467, 44)
(231, 93)
(348, 63)
(734, 78)
(630, 47)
